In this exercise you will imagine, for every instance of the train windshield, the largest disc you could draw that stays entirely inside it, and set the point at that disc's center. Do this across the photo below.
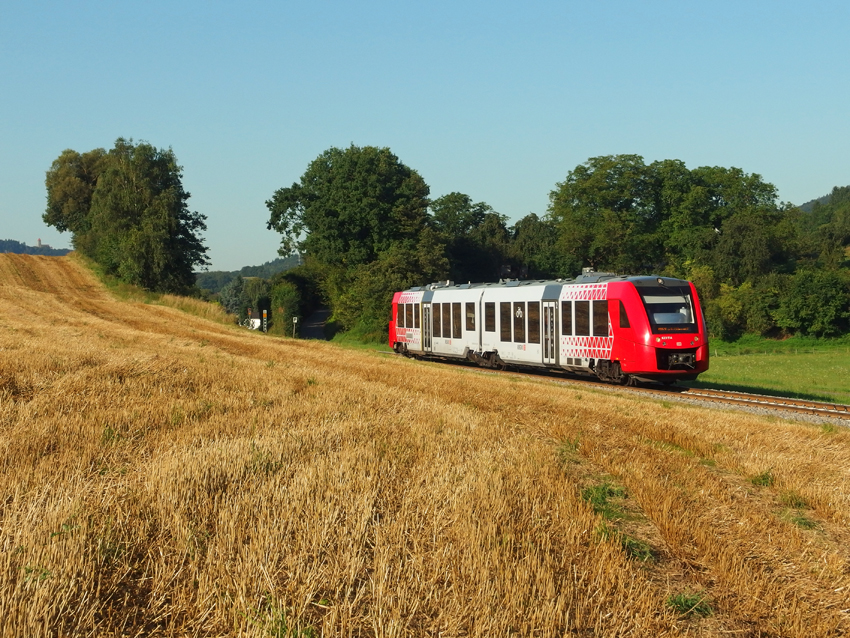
(670, 308)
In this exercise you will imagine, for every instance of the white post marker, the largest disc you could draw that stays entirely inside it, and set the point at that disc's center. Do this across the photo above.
(294, 324)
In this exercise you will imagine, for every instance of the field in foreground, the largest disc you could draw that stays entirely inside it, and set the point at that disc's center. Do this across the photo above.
(167, 475)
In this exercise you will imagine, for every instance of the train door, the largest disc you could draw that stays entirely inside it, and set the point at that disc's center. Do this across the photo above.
(550, 332)
(426, 327)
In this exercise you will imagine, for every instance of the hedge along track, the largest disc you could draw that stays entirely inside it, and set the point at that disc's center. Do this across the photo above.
(785, 406)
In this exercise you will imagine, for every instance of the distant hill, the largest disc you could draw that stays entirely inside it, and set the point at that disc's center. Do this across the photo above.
(840, 191)
(215, 280)
(19, 248)
(808, 206)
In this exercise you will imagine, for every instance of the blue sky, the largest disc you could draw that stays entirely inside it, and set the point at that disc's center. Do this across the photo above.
(498, 100)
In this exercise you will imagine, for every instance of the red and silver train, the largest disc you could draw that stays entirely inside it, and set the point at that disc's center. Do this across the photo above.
(618, 328)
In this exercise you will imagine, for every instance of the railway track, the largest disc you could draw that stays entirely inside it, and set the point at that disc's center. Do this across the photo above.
(818, 408)
(742, 399)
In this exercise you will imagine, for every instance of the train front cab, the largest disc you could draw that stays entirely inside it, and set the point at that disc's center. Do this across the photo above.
(659, 329)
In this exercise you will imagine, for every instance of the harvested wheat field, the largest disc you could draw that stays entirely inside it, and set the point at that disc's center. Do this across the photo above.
(164, 474)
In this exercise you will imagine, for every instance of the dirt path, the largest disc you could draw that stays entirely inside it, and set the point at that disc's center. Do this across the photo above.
(313, 326)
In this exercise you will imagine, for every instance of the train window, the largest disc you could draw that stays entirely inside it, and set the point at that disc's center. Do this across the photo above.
(456, 321)
(401, 316)
(505, 320)
(519, 322)
(470, 316)
(435, 313)
(490, 316)
(566, 317)
(582, 327)
(670, 308)
(624, 318)
(408, 313)
(600, 318)
(416, 315)
(533, 322)
(447, 321)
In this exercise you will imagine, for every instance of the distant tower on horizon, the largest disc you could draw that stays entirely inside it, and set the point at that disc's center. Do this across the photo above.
(39, 242)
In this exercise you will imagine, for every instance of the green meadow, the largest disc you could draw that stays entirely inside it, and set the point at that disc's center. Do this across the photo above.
(816, 369)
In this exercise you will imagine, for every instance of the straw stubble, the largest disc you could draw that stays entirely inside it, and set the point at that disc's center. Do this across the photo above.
(167, 475)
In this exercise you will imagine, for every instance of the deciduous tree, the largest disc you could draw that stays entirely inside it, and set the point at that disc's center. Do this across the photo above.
(476, 237)
(607, 215)
(350, 206)
(71, 182)
(127, 210)
(534, 245)
(361, 217)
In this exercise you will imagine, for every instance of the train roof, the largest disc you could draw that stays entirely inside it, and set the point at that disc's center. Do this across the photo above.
(585, 278)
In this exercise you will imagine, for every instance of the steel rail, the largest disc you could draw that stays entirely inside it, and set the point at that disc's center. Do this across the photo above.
(730, 397)
(761, 400)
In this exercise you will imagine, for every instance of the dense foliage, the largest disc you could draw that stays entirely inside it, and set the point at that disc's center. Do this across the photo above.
(352, 204)
(127, 211)
(361, 217)
(476, 239)
(367, 228)
(762, 266)
(617, 213)
(246, 297)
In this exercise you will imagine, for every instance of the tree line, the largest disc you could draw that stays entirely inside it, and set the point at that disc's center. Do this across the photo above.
(214, 281)
(364, 224)
(20, 248)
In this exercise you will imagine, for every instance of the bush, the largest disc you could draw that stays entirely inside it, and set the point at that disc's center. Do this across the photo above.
(817, 302)
(295, 293)
(750, 308)
(241, 295)
(287, 304)
(361, 297)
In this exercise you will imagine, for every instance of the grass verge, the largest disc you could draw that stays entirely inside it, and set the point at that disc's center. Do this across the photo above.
(813, 369)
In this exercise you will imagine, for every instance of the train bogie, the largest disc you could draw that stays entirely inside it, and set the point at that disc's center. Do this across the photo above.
(616, 328)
